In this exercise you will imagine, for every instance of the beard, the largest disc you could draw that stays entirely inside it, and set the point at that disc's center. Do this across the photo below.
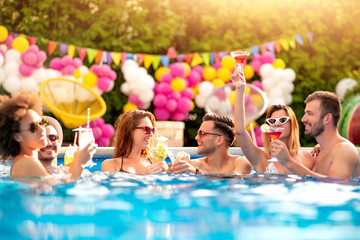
(317, 130)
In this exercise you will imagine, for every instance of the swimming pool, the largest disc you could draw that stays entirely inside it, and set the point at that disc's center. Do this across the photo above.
(164, 206)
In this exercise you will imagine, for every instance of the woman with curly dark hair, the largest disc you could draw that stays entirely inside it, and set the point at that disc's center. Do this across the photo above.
(133, 137)
(22, 133)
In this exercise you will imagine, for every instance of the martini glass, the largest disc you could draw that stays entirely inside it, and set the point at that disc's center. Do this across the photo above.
(237, 77)
(274, 134)
(160, 149)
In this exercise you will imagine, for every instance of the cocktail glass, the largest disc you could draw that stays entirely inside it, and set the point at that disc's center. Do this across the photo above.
(274, 134)
(238, 77)
(69, 154)
(86, 136)
(160, 149)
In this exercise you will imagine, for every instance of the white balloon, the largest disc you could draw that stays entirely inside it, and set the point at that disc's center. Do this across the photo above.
(278, 75)
(146, 83)
(3, 47)
(147, 96)
(53, 73)
(268, 83)
(11, 68)
(61, 95)
(289, 75)
(266, 70)
(134, 88)
(28, 84)
(12, 55)
(39, 75)
(146, 105)
(286, 87)
(205, 88)
(132, 75)
(227, 90)
(12, 84)
(1, 60)
(288, 99)
(98, 90)
(128, 64)
(70, 77)
(275, 93)
(151, 82)
(276, 101)
(200, 101)
(213, 104)
(83, 95)
(142, 71)
(2, 75)
(343, 86)
(83, 70)
(125, 88)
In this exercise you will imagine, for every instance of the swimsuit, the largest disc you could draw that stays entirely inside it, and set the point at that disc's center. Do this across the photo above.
(271, 169)
(122, 163)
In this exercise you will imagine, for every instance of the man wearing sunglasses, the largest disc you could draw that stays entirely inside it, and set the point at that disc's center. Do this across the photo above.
(48, 154)
(214, 138)
(338, 158)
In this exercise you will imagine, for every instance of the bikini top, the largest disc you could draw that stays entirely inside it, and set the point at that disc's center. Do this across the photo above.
(122, 163)
(271, 169)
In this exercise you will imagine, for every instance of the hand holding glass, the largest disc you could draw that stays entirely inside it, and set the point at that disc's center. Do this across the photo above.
(238, 77)
(274, 134)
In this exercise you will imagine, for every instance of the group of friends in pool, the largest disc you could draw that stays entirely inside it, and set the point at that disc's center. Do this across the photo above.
(32, 142)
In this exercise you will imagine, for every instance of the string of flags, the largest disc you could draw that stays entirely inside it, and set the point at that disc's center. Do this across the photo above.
(154, 60)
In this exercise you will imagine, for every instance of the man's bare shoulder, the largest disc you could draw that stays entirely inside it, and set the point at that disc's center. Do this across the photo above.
(197, 161)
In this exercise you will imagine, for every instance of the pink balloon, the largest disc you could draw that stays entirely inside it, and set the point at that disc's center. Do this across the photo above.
(171, 105)
(216, 66)
(167, 77)
(161, 114)
(188, 93)
(38, 65)
(160, 100)
(256, 57)
(26, 70)
(102, 142)
(29, 58)
(267, 57)
(177, 69)
(140, 104)
(76, 62)
(180, 116)
(112, 75)
(98, 122)
(199, 69)
(33, 49)
(66, 60)
(103, 70)
(107, 130)
(194, 78)
(97, 131)
(256, 64)
(183, 105)
(68, 70)
(41, 56)
(56, 64)
(164, 88)
(133, 98)
(221, 95)
(8, 41)
(95, 69)
(258, 84)
(103, 83)
(175, 95)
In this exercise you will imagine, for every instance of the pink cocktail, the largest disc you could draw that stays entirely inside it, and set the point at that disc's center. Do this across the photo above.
(237, 77)
(274, 134)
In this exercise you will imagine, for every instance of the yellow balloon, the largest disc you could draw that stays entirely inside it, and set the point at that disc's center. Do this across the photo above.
(254, 125)
(231, 97)
(224, 74)
(160, 71)
(192, 106)
(77, 73)
(248, 72)
(195, 89)
(21, 44)
(178, 84)
(187, 68)
(129, 106)
(209, 73)
(247, 90)
(90, 79)
(279, 63)
(218, 83)
(228, 62)
(3, 33)
(257, 100)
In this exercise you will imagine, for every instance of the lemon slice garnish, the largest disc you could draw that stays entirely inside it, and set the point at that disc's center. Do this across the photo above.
(264, 128)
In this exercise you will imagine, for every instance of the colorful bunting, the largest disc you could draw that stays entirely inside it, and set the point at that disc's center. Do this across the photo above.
(91, 55)
(254, 50)
(188, 57)
(165, 60)
(63, 48)
(51, 47)
(98, 56)
(71, 51)
(156, 62)
(299, 39)
(292, 43)
(270, 46)
(206, 58)
(171, 53)
(116, 57)
(148, 60)
(310, 36)
(82, 53)
(277, 46)
(197, 59)
(285, 44)
(108, 57)
(32, 40)
(263, 48)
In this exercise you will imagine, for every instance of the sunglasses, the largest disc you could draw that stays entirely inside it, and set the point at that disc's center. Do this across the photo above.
(282, 120)
(147, 130)
(53, 138)
(202, 133)
(35, 126)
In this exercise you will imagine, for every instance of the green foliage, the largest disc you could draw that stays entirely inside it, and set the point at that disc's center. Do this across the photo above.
(152, 26)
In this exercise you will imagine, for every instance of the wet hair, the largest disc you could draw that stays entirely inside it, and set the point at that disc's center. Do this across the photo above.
(329, 103)
(12, 110)
(125, 125)
(224, 124)
(294, 141)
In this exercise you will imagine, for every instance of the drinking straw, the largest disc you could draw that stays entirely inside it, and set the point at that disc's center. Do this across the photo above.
(75, 138)
(88, 119)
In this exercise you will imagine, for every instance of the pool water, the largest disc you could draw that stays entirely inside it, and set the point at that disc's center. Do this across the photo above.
(165, 206)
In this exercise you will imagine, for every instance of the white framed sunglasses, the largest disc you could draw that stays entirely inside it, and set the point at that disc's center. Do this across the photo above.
(281, 120)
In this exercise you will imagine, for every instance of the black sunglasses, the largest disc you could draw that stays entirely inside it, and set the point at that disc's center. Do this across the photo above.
(282, 120)
(35, 126)
(202, 133)
(53, 138)
(148, 130)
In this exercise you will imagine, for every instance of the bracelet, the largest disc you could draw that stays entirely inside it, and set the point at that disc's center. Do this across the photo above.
(197, 171)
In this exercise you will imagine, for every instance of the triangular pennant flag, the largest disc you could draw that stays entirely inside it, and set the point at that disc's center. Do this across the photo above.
(292, 43)
(285, 44)
(98, 56)
(197, 59)
(32, 40)
(91, 54)
(212, 58)
(123, 57)
(71, 51)
(116, 56)
(299, 39)
(140, 58)
(103, 58)
(156, 62)
(16, 35)
(223, 54)
(263, 48)
(82, 53)
(171, 53)
(277, 46)
(310, 36)
(108, 58)
(270, 46)
(254, 50)
(63, 48)
(217, 59)
(51, 47)
(130, 56)
(148, 60)
(165, 60)
(180, 58)
(188, 57)
(206, 58)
